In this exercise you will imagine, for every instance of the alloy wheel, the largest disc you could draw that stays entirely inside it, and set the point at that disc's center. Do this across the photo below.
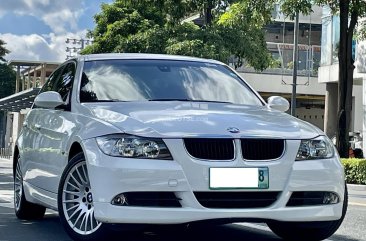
(18, 188)
(77, 201)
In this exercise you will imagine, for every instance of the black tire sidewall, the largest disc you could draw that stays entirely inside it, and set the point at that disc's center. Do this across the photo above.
(309, 231)
(26, 210)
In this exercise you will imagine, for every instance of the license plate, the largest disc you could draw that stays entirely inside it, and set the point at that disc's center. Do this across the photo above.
(239, 178)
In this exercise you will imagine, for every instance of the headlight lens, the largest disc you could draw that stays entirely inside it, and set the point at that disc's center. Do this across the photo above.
(133, 147)
(318, 148)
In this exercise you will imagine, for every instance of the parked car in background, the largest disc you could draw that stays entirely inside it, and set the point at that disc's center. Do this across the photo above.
(159, 139)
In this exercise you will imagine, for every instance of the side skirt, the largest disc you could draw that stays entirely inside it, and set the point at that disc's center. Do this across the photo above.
(40, 196)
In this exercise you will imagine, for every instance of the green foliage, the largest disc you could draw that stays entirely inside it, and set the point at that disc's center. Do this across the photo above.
(3, 50)
(155, 26)
(191, 40)
(7, 74)
(355, 170)
(7, 80)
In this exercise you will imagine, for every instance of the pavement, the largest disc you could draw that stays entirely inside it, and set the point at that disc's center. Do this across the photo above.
(50, 228)
(357, 194)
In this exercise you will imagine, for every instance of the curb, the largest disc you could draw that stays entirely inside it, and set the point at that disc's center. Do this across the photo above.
(356, 187)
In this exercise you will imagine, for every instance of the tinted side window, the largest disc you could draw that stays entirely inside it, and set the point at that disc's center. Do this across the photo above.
(51, 80)
(64, 84)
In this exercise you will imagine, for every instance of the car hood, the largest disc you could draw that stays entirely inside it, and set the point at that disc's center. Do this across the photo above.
(176, 119)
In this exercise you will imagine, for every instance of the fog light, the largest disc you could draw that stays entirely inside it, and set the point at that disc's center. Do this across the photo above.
(120, 200)
(330, 198)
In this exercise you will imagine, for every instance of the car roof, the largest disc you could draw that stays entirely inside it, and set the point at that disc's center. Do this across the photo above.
(145, 56)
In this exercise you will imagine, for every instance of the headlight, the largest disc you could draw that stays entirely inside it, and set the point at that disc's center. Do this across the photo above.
(318, 148)
(133, 147)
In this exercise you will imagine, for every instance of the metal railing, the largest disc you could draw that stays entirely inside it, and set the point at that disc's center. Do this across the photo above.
(282, 53)
(5, 153)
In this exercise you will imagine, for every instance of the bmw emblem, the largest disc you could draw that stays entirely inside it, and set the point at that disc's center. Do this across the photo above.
(233, 130)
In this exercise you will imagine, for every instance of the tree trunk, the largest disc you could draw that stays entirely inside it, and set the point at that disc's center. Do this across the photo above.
(208, 12)
(346, 68)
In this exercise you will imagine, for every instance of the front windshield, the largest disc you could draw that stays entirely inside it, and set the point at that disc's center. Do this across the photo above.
(159, 80)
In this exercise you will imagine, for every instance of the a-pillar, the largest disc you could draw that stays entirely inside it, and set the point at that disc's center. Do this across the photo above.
(364, 116)
(330, 113)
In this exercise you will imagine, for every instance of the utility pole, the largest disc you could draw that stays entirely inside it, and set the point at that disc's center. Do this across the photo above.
(295, 61)
(77, 46)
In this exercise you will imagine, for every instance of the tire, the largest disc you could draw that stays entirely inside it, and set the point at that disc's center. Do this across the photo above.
(75, 203)
(309, 231)
(23, 209)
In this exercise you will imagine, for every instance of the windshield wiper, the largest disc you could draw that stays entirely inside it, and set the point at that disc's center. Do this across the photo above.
(112, 100)
(172, 99)
(190, 100)
(214, 101)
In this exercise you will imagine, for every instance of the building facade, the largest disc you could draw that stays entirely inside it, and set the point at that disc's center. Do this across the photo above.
(328, 76)
(277, 80)
(30, 76)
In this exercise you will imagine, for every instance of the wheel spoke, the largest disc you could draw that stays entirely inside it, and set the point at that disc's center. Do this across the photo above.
(81, 177)
(77, 188)
(83, 221)
(72, 207)
(76, 181)
(17, 186)
(18, 170)
(87, 220)
(85, 172)
(73, 214)
(91, 219)
(79, 212)
(77, 200)
(72, 193)
(77, 219)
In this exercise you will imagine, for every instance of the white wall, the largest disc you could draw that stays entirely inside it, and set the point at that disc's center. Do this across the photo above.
(313, 115)
(9, 129)
(358, 108)
(273, 83)
(315, 17)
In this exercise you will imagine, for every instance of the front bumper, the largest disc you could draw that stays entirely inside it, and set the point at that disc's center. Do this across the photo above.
(184, 175)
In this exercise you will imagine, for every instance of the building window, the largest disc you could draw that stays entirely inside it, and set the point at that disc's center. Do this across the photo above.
(326, 43)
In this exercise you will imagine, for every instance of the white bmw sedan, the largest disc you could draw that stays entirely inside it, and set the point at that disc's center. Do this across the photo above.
(158, 139)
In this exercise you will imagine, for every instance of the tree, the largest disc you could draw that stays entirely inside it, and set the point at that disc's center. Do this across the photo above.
(3, 50)
(7, 80)
(7, 74)
(157, 26)
(7, 85)
(350, 13)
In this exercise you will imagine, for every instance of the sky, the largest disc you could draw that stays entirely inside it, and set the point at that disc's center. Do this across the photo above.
(37, 29)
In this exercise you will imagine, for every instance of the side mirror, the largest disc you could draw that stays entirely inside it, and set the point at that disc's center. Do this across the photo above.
(49, 99)
(278, 103)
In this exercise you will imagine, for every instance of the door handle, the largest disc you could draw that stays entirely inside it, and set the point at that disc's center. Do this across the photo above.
(37, 126)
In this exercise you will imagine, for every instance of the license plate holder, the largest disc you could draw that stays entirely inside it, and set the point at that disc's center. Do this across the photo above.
(238, 178)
